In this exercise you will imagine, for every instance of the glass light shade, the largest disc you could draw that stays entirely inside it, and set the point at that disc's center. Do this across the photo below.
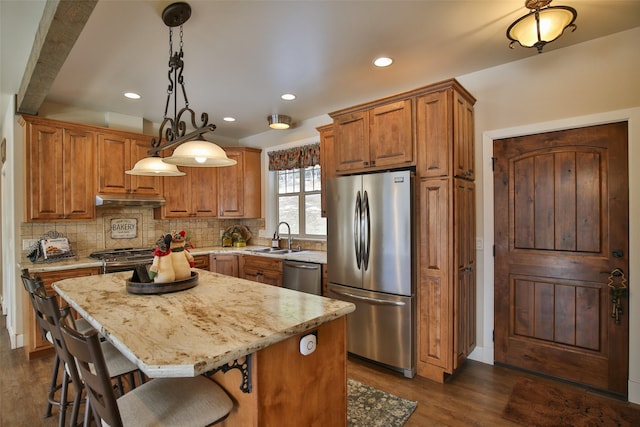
(154, 166)
(199, 154)
(279, 121)
(553, 21)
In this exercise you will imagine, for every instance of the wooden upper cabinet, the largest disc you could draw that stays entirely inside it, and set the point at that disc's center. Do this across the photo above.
(352, 149)
(191, 195)
(378, 137)
(391, 136)
(327, 162)
(60, 172)
(240, 189)
(463, 137)
(118, 153)
(445, 134)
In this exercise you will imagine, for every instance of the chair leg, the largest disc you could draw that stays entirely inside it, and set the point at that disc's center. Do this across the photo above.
(63, 399)
(77, 400)
(53, 385)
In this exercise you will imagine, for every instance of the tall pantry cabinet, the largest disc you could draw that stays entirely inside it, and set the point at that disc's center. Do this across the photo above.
(431, 131)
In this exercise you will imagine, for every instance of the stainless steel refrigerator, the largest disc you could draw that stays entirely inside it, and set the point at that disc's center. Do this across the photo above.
(370, 247)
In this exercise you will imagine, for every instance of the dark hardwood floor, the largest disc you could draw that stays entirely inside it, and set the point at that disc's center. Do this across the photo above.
(475, 396)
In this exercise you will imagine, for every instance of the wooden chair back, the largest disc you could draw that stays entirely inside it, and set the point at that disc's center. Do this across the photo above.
(48, 310)
(87, 352)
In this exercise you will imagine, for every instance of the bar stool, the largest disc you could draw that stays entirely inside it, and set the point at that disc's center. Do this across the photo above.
(196, 401)
(51, 317)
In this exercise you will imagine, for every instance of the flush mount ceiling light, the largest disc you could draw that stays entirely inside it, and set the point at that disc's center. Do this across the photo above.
(190, 150)
(279, 121)
(542, 25)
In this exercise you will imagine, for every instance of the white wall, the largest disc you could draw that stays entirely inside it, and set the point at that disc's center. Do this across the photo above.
(12, 185)
(591, 83)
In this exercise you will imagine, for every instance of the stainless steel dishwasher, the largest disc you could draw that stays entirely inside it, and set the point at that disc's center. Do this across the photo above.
(303, 277)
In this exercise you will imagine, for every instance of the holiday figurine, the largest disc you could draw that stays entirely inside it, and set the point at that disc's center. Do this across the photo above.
(161, 270)
(181, 258)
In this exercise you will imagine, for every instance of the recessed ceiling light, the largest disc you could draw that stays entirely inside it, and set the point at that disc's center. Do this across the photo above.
(132, 95)
(383, 61)
(229, 119)
(288, 97)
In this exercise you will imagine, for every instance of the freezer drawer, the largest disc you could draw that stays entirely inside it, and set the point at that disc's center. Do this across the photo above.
(382, 328)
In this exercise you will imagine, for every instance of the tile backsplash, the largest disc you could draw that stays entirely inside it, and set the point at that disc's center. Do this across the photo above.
(88, 236)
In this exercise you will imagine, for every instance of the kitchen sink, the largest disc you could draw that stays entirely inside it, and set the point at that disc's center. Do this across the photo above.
(274, 251)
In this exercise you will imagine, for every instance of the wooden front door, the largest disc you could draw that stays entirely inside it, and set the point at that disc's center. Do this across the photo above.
(561, 227)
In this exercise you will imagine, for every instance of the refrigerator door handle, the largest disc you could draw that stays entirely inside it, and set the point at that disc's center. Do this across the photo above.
(368, 299)
(366, 231)
(356, 230)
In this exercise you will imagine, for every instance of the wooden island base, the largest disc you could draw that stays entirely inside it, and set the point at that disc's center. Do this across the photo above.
(289, 389)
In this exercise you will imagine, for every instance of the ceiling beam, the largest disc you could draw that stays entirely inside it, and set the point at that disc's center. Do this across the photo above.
(60, 26)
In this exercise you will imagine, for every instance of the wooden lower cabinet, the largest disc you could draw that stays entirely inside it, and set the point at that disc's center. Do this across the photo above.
(289, 389)
(201, 262)
(35, 344)
(446, 283)
(261, 269)
(226, 264)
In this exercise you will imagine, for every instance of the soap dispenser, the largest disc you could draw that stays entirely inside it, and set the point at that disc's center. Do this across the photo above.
(275, 242)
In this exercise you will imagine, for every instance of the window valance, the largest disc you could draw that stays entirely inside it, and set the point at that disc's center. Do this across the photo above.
(295, 158)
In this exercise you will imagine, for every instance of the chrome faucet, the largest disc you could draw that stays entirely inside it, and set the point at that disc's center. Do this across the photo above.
(288, 234)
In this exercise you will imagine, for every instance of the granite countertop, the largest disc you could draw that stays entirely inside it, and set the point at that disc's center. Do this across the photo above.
(191, 332)
(319, 257)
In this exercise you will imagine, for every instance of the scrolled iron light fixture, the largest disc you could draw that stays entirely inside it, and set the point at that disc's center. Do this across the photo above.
(542, 25)
(190, 151)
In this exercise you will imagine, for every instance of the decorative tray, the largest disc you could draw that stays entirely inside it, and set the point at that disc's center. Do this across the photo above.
(162, 288)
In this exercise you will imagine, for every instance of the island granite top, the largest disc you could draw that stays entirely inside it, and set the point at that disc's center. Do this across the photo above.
(191, 332)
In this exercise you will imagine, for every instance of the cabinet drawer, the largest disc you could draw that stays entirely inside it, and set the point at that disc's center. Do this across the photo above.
(263, 263)
(201, 261)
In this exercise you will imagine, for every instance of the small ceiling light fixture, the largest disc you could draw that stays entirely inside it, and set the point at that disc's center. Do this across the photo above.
(229, 119)
(542, 25)
(279, 121)
(190, 150)
(288, 97)
(131, 95)
(383, 61)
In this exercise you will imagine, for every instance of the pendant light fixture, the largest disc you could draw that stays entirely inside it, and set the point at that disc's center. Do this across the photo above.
(279, 121)
(191, 150)
(542, 25)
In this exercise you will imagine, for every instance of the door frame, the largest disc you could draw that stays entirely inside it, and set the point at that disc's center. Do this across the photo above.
(484, 353)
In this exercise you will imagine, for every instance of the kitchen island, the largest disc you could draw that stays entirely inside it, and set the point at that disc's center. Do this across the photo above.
(221, 320)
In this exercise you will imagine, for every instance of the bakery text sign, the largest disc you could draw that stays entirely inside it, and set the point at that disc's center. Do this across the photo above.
(124, 228)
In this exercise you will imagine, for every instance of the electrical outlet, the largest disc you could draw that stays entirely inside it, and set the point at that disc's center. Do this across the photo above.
(479, 244)
(27, 243)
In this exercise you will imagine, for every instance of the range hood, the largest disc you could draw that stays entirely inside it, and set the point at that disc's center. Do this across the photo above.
(129, 200)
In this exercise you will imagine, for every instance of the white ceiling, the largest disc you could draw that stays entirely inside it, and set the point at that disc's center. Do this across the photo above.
(240, 56)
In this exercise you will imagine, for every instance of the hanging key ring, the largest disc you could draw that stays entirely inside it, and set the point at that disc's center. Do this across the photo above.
(617, 272)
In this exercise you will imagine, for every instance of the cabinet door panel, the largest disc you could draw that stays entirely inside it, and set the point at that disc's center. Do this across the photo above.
(114, 158)
(327, 164)
(230, 192)
(177, 196)
(435, 293)
(463, 146)
(203, 185)
(433, 134)
(352, 141)
(224, 264)
(45, 185)
(79, 176)
(151, 185)
(391, 138)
